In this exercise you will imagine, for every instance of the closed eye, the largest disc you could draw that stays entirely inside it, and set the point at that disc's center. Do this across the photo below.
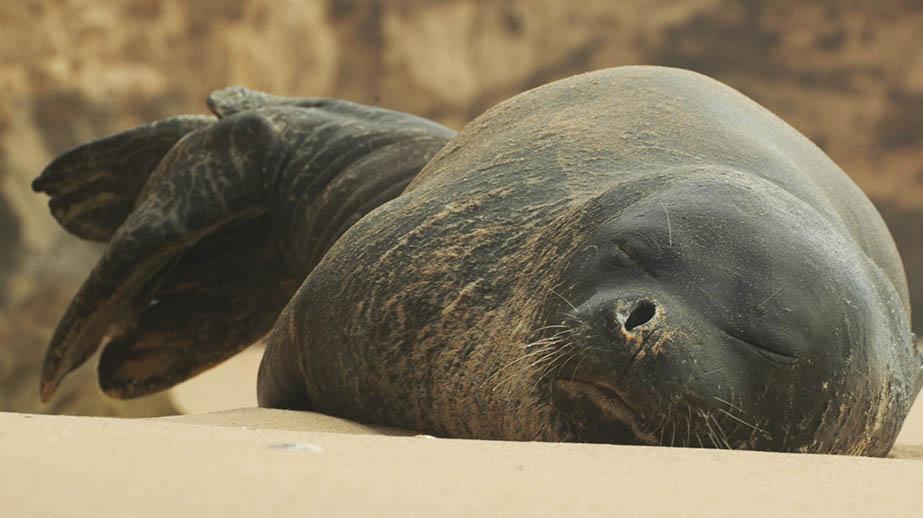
(771, 354)
(624, 255)
(619, 257)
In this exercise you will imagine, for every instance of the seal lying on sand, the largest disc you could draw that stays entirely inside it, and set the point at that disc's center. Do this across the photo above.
(634, 255)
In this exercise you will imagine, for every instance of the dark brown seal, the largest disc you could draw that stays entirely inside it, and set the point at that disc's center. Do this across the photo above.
(633, 255)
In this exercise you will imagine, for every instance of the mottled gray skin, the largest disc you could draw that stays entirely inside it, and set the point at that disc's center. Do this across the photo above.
(635, 255)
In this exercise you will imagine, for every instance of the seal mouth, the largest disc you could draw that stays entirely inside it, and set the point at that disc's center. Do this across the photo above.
(601, 393)
(601, 407)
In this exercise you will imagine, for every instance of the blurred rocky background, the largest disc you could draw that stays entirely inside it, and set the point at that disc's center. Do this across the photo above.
(849, 75)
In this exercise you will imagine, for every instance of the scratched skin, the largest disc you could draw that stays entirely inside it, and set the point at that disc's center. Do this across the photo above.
(633, 255)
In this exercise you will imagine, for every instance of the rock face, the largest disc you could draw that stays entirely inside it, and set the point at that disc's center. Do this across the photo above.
(850, 78)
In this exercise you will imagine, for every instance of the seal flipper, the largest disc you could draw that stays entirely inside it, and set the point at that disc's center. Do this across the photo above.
(275, 183)
(207, 182)
(208, 308)
(93, 187)
(236, 99)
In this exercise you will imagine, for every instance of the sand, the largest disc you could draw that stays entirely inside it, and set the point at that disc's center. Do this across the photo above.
(259, 462)
(240, 463)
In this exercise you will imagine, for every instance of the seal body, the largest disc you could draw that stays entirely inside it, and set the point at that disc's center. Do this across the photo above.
(493, 298)
(634, 255)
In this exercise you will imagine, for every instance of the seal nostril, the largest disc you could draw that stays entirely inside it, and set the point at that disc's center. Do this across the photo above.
(641, 315)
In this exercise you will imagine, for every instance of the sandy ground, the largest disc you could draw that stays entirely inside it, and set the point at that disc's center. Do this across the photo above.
(259, 462)
(235, 464)
(231, 384)
(912, 432)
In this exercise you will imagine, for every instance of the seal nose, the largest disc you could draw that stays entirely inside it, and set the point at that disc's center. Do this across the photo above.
(641, 313)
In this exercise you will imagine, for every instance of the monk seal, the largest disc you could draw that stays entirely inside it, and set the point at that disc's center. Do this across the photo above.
(637, 255)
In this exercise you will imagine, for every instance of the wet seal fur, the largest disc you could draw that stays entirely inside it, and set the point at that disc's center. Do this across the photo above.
(634, 255)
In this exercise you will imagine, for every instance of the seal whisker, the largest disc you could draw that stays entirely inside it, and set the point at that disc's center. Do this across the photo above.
(551, 349)
(542, 341)
(743, 422)
(657, 428)
(570, 357)
(565, 350)
(708, 429)
(714, 440)
(548, 340)
(735, 407)
(553, 363)
(648, 422)
(531, 354)
(713, 371)
(553, 358)
(562, 297)
(526, 357)
(554, 326)
(546, 358)
(739, 418)
(698, 438)
(669, 226)
(669, 414)
(506, 379)
(688, 426)
(718, 431)
(761, 304)
(721, 433)
(663, 430)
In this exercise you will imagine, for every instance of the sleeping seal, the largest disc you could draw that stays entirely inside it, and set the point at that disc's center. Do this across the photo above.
(635, 255)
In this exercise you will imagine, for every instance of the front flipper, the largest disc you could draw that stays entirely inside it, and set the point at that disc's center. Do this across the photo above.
(223, 231)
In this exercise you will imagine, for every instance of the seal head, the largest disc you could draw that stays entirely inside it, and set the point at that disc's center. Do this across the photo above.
(740, 324)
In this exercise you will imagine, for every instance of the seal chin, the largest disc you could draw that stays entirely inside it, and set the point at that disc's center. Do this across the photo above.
(597, 412)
